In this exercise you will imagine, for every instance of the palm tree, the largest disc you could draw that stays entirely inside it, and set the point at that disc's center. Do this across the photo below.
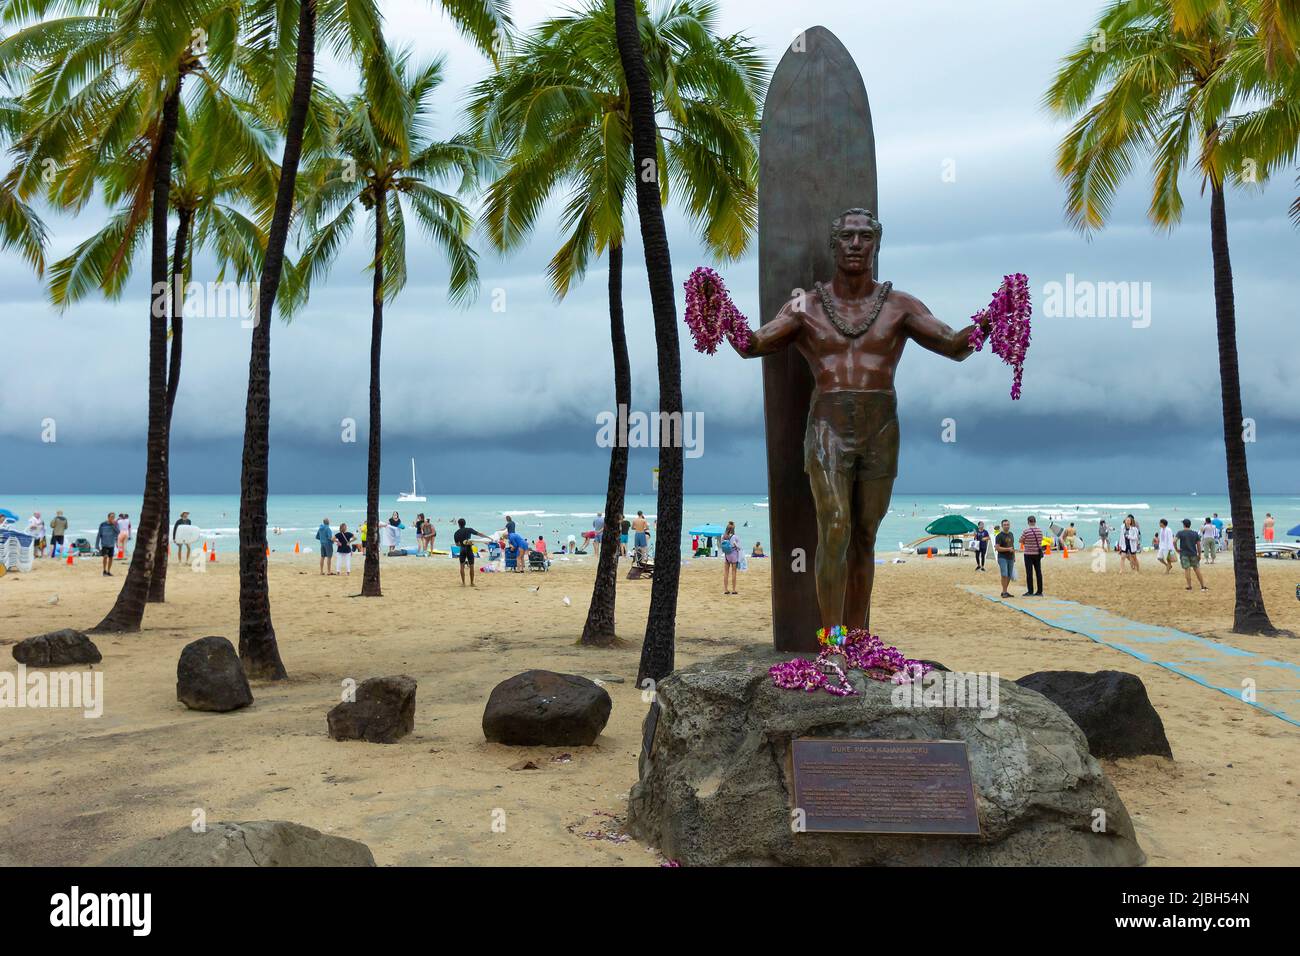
(355, 27)
(1268, 135)
(21, 228)
(102, 89)
(222, 164)
(558, 111)
(1153, 85)
(388, 167)
(658, 650)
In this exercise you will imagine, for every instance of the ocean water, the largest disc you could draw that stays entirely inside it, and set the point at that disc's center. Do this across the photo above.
(294, 518)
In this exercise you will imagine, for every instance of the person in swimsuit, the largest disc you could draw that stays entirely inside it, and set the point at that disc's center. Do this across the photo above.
(852, 332)
(462, 536)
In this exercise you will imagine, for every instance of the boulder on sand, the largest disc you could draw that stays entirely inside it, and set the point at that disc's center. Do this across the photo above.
(716, 787)
(382, 713)
(257, 843)
(57, 649)
(543, 708)
(209, 676)
(1111, 708)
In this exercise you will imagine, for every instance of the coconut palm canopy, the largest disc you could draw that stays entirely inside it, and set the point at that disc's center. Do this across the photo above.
(950, 525)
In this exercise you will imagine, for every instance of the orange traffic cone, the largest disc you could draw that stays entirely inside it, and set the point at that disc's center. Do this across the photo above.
(121, 554)
(296, 548)
(69, 559)
(929, 553)
(205, 546)
(1066, 553)
(212, 555)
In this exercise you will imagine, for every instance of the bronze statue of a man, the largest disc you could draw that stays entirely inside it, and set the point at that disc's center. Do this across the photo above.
(852, 331)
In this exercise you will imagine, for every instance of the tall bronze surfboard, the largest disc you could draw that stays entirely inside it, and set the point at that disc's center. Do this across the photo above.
(817, 157)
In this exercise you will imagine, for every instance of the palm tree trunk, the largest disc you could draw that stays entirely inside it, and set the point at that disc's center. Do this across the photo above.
(1249, 616)
(370, 574)
(258, 649)
(128, 610)
(158, 581)
(599, 629)
(657, 652)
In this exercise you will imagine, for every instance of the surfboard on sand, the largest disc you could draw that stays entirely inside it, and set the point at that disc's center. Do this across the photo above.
(817, 157)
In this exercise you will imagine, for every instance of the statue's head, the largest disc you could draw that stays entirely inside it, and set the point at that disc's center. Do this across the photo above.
(855, 239)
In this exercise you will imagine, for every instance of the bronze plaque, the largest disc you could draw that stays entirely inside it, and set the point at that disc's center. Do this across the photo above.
(844, 785)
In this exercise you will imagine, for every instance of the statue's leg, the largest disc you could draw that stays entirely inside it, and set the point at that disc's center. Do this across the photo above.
(870, 502)
(832, 492)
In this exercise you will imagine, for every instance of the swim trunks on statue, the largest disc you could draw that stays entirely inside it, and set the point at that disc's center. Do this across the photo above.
(853, 432)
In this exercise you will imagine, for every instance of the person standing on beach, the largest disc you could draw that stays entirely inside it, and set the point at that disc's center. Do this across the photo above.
(1164, 545)
(58, 527)
(730, 557)
(1209, 540)
(1130, 543)
(183, 519)
(1005, 546)
(1269, 522)
(36, 528)
(641, 537)
(1220, 539)
(1103, 534)
(510, 525)
(1189, 554)
(105, 538)
(981, 546)
(1031, 542)
(325, 535)
(343, 545)
(123, 532)
(624, 528)
(465, 550)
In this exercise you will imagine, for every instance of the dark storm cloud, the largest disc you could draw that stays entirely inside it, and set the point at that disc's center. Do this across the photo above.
(967, 194)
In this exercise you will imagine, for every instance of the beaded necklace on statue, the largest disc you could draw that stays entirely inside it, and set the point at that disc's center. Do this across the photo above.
(878, 303)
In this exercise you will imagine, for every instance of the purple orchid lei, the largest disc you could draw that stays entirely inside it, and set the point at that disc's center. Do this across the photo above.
(860, 649)
(1008, 317)
(710, 313)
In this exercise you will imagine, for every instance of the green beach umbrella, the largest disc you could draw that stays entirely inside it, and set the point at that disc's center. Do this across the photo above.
(950, 525)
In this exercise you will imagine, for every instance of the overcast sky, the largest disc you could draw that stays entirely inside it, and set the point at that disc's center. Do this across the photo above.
(967, 193)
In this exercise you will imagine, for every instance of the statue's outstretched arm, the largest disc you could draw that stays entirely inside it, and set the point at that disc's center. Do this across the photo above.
(938, 337)
(774, 336)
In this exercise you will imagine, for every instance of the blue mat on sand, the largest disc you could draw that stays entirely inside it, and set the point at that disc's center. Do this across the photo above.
(1212, 664)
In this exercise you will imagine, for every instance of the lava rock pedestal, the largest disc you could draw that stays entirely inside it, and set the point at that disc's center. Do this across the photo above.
(716, 787)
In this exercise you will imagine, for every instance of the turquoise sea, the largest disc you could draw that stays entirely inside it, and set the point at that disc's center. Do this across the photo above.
(294, 518)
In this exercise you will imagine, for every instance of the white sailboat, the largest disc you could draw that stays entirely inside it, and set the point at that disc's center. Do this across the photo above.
(413, 495)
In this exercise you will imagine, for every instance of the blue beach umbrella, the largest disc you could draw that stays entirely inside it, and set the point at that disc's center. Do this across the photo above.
(1295, 532)
(707, 530)
(6, 513)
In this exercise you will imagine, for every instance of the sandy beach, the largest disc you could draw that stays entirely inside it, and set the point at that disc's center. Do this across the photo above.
(75, 789)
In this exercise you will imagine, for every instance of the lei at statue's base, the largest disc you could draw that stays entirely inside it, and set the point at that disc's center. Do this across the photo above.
(716, 789)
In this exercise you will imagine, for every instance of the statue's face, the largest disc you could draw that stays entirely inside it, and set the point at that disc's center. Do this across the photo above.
(855, 245)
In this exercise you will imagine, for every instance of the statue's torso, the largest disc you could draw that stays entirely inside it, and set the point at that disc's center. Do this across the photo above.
(839, 362)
